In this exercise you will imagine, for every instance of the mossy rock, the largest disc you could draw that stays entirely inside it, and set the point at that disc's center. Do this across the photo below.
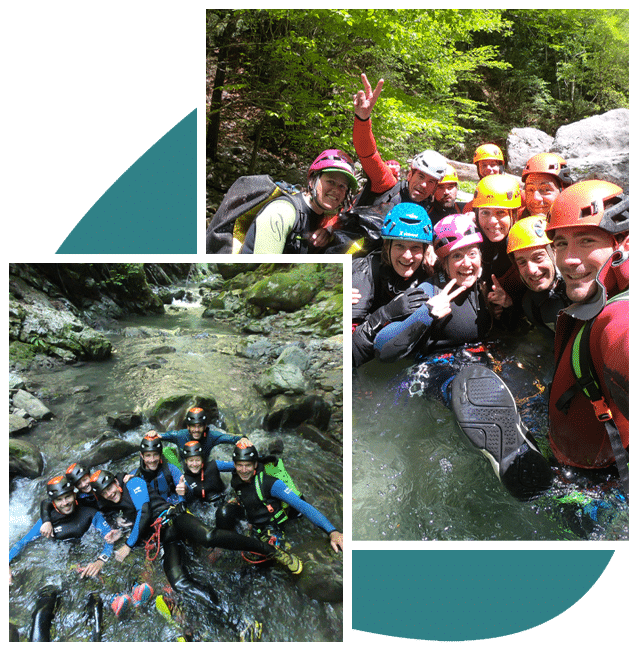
(170, 413)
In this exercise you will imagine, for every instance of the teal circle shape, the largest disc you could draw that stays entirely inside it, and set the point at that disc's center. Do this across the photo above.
(151, 207)
(467, 595)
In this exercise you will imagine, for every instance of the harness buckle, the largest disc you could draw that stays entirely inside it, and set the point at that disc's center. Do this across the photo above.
(601, 409)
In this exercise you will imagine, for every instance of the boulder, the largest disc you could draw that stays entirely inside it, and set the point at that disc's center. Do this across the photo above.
(31, 405)
(288, 412)
(25, 460)
(109, 449)
(170, 413)
(286, 292)
(322, 576)
(281, 378)
(524, 143)
(296, 356)
(18, 424)
(124, 421)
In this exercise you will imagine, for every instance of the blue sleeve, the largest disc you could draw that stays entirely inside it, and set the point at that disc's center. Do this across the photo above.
(175, 436)
(139, 494)
(103, 527)
(25, 540)
(218, 437)
(282, 492)
(225, 466)
(398, 339)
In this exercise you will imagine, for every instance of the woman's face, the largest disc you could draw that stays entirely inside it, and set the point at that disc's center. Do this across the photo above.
(464, 265)
(330, 191)
(406, 256)
(495, 223)
(194, 464)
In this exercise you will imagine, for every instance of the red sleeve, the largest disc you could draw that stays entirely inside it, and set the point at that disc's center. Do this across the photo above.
(365, 145)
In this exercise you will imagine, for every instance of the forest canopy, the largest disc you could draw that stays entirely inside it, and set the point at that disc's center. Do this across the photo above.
(284, 79)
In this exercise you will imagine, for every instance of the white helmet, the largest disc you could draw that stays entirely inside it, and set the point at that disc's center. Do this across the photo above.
(430, 162)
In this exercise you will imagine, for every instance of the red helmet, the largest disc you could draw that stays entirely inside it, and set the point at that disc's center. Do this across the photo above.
(546, 163)
(334, 160)
(590, 203)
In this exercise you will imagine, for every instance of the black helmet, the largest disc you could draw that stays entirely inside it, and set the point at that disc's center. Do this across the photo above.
(245, 451)
(101, 479)
(151, 443)
(196, 415)
(75, 472)
(192, 449)
(59, 486)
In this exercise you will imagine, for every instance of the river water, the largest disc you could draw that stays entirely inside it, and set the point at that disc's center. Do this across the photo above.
(133, 380)
(416, 478)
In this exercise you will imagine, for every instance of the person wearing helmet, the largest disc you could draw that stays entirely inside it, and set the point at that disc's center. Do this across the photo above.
(532, 254)
(80, 480)
(201, 479)
(444, 201)
(588, 224)
(451, 369)
(489, 160)
(70, 520)
(292, 224)
(198, 428)
(385, 281)
(545, 176)
(426, 168)
(263, 498)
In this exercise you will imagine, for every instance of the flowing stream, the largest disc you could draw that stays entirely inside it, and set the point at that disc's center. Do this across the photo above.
(134, 379)
(416, 478)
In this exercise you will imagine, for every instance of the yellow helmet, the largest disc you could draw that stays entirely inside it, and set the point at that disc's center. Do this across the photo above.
(450, 175)
(497, 191)
(527, 233)
(488, 152)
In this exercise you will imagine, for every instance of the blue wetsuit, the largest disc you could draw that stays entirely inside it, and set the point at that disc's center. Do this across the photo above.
(209, 440)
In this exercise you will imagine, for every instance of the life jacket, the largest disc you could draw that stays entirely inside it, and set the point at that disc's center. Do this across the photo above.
(207, 484)
(245, 199)
(73, 525)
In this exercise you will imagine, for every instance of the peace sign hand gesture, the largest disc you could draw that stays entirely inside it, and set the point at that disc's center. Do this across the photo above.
(365, 99)
(439, 304)
(498, 296)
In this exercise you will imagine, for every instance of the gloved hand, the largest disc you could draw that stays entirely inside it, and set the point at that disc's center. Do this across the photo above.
(399, 307)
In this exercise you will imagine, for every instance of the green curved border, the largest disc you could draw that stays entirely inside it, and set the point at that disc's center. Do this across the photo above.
(604, 616)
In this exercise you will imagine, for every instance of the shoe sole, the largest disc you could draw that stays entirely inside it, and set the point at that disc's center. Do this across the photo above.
(486, 412)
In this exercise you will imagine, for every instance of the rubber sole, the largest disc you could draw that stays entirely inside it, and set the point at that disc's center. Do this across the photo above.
(486, 412)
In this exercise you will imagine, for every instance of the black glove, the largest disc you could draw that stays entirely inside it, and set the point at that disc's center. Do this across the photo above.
(400, 307)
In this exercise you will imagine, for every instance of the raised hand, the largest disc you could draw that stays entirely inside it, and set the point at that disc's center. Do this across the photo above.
(440, 303)
(365, 99)
(180, 489)
(498, 296)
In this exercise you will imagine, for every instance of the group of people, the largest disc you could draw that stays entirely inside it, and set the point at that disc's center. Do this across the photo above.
(148, 508)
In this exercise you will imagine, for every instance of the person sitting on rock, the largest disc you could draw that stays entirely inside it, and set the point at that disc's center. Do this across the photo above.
(266, 502)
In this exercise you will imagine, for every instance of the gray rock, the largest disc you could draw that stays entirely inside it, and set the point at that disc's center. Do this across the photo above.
(34, 407)
(288, 412)
(295, 356)
(124, 421)
(322, 576)
(25, 460)
(524, 143)
(18, 424)
(15, 382)
(281, 378)
(109, 449)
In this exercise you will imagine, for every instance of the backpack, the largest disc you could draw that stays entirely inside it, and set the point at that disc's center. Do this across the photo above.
(587, 381)
(244, 200)
(275, 468)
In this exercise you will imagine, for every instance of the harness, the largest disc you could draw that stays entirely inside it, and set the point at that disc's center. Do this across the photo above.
(587, 382)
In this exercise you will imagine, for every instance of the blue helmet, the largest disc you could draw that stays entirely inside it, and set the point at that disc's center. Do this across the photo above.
(408, 221)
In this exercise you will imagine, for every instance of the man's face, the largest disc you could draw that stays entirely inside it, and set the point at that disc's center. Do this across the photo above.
(245, 469)
(151, 460)
(406, 256)
(488, 167)
(65, 503)
(84, 484)
(421, 186)
(535, 267)
(196, 430)
(541, 191)
(112, 492)
(445, 194)
(194, 464)
(581, 251)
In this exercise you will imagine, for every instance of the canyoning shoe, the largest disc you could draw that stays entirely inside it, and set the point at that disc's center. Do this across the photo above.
(252, 632)
(120, 605)
(289, 560)
(141, 593)
(486, 412)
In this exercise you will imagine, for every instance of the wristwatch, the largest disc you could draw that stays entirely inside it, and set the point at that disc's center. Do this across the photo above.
(103, 557)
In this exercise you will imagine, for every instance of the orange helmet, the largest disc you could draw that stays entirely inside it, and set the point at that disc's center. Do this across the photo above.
(546, 163)
(590, 203)
(527, 233)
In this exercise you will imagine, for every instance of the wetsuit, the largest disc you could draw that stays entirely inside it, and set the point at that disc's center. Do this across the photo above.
(207, 485)
(378, 285)
(267, 515)
(208, 441)
(66, 527)
(542, 308)
(576, 436)
(469, 321)
(283, 226)
(83, 499)
(437, 211)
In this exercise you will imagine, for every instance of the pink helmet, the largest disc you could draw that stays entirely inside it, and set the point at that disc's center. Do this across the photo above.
(334, 160)
(454, 232)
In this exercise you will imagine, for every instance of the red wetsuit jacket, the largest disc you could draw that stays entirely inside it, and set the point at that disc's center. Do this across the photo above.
(577, 437)
(380, 175)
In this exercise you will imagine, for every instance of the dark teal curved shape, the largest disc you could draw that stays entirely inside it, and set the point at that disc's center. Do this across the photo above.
(467, 595)
(152, 207)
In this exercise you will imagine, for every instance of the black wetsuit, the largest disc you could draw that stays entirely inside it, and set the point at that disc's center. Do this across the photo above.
(542, 308)
(207, 484)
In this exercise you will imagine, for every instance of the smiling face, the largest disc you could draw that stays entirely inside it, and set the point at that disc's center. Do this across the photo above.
(196, 430)
(495, 222)
(65, 504)
(580, 254)
(421, 186)
(112, 492)
(535, 267)
(245, 469)
(541, 191)
(488, 167)
(445, 194)
(194, 464)
(151, 460)
(84, 484)
(406, 256)
(329, 192)
(463, 265)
